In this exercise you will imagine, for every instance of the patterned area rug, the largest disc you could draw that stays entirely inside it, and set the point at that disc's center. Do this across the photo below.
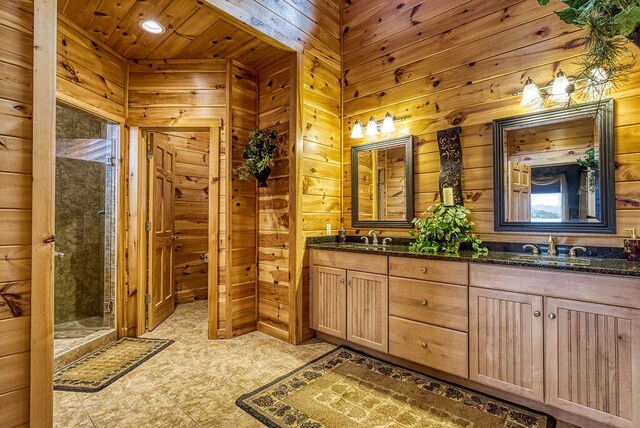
(347, 389)
(106, 365)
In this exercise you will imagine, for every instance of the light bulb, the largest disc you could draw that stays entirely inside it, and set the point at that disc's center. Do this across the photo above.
(372, 127)
(387, 124)
(356, 132)
(559, 89)
(151, 26)
(598, 84)
(530, 94)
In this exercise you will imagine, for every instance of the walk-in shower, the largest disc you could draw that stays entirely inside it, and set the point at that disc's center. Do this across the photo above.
(85, 247)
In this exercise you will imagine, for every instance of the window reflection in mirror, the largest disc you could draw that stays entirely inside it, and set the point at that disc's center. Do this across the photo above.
(553, 172)
(382, 191)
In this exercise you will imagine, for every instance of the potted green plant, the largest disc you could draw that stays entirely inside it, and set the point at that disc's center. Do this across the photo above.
(257, 158)
(447, 228)
(608, 24)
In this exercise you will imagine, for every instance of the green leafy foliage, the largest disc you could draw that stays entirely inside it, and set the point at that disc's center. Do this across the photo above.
(608, 25)
(446, 229)
(258, 154)
(589, 161)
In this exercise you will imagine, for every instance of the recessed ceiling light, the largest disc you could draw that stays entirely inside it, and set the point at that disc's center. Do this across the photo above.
(151, 26)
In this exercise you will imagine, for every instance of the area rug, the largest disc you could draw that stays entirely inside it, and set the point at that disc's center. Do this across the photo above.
(106, 365)
(346, 389)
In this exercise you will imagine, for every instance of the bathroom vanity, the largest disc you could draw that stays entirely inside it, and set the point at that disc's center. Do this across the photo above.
(567, 335)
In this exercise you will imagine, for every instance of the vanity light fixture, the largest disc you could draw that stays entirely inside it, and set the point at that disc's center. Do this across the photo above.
(387, 124)
(356, 132)
(530, 94)
(372, 128)
(559, 90)
(151, 26)
(598, 84)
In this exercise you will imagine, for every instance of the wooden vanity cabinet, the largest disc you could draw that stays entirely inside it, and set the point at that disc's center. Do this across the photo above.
(329, 297)
(350, 297)
(593, 360)
(506, 341)
(368, 310)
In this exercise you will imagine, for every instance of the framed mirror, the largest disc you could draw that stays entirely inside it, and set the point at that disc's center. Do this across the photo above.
(554, 171)
(382, 184)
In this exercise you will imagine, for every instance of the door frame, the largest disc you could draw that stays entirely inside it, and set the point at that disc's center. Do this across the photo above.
(134, 303)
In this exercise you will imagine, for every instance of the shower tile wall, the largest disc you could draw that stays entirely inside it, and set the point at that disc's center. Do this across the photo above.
(79, 273)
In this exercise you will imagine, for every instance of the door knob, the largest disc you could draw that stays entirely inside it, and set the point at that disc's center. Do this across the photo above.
(174, 237)
(537, 314)
(342, 281)
(552, 316)
(423, 270)
(424, 345)
(423, 302)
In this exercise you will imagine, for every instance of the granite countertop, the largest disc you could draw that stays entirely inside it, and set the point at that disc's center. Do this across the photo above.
(605, 266)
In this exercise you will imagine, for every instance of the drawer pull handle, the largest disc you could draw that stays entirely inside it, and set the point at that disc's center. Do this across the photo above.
(342, 281)
(552, 316)
(423, 270)
(424, 345)
(537, 314)
(423, 302)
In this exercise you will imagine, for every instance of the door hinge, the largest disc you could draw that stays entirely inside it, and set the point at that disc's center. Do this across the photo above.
(108, 306)
(147, 226)
(111, 160)
(149, 154)
(147, 299)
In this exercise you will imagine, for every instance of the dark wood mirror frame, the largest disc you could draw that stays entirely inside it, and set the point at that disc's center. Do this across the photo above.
(394, 142)
(604, 121)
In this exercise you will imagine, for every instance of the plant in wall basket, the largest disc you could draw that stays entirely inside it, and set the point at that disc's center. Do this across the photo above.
(608, 24)
(447, 229)
(257, 158)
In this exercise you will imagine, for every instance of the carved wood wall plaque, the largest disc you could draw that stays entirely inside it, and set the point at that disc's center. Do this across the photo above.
(451, 162)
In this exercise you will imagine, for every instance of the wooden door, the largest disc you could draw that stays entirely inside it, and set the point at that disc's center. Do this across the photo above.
(329, 301)
(506, 341)
(518, 192)
(593, 361)
(368, 310)
(160, 287)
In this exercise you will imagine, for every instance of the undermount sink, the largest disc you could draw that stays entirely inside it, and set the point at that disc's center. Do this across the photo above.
(363, 246)
(561, 261)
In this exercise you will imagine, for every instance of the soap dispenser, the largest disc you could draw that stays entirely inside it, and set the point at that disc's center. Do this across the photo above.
(632, 247)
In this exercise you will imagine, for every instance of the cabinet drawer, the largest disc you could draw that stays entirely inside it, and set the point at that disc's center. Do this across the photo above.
(436, 347)
(351, 261)
(429, 270)
(431, 302)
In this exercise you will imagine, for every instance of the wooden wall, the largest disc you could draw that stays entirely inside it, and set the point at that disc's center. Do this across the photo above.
(274, 203)
(89, 75)
(242, 203)
(16, 60)
(447, 63)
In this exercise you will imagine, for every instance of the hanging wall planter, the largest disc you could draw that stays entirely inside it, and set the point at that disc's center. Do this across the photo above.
(609, 25)
(257, 158)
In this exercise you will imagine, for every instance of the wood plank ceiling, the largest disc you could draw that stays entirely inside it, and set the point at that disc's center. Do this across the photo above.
(193, 30)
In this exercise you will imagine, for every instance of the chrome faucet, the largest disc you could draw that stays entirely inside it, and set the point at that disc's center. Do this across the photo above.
(551, 250)
(386, 241)
(365, 239)
(535, 249)
(375, 236)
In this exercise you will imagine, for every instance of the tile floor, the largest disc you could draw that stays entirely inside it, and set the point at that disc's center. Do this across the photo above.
(192, 383)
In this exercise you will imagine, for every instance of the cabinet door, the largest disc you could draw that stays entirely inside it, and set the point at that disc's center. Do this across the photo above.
(329, 301)
(368, 310)
(506, 341)
(593, 360)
